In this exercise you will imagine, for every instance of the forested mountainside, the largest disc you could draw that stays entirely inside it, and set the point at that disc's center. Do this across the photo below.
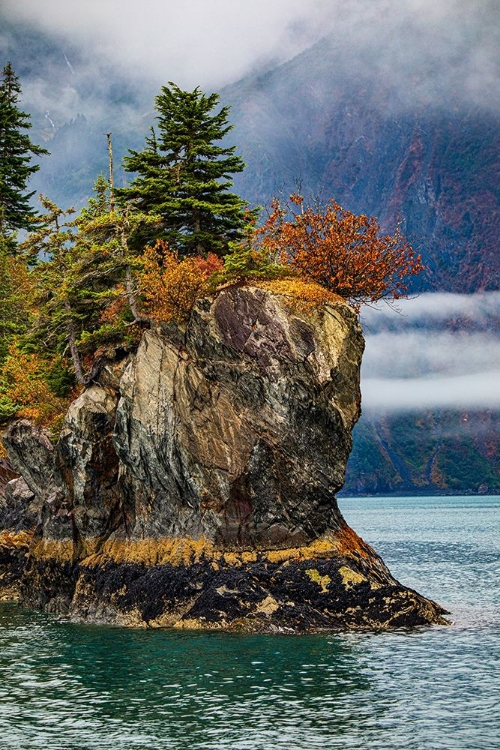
(426, 452)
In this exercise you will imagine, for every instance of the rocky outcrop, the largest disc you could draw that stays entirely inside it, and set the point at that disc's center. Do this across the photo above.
(194, 484)
(19, 514)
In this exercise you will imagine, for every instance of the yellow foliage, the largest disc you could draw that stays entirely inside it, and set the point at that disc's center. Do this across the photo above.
(24, 385)
(170, 287)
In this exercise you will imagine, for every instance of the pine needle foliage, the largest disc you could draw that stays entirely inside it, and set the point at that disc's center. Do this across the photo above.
(16, 167)
(183, 175)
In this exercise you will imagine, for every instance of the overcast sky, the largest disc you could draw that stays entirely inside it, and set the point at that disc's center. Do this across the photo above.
(426, 52)
(194, 42)
(427, 43)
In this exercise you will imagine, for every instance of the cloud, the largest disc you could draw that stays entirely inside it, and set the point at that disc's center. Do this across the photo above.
(469, 392)
(438, 353)
(479, 310)
(442, 352)
(196, 42)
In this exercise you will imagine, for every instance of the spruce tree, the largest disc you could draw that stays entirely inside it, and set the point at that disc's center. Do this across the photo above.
(184, 176)
(16, 151)
(84, 280)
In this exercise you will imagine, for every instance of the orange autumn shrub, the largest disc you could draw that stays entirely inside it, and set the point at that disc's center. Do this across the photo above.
(25, 393)
(117, 307)
(341, 251)
(169, 286)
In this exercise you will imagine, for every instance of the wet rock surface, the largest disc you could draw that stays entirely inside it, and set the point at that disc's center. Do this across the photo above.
(194, 484)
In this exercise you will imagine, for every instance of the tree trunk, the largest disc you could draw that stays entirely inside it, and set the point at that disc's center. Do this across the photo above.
(75, 356)
(111, 175)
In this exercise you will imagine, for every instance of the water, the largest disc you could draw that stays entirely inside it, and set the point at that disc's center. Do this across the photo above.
(65, 687)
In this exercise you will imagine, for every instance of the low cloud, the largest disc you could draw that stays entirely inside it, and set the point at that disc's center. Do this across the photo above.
(478, 391)
(438, 353)
(197, 42)
(443, 351)
(436, 308)
(423, 51)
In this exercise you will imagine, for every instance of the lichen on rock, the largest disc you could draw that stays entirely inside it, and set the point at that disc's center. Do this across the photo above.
(194, 484)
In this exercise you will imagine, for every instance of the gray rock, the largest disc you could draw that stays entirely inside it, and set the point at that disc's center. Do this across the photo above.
(19, 508)
(88, 464)
(242, 433)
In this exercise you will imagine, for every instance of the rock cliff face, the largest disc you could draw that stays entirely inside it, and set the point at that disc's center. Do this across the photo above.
(194, 484)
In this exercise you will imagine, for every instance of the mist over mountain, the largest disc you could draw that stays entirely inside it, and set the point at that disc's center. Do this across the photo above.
(424, 156)
(430, 385)
(73, 102)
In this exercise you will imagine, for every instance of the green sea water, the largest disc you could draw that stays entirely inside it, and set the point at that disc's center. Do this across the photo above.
(66, 686)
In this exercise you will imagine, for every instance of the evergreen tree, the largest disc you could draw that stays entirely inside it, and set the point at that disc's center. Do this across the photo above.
(184, 177)
(16, 151)
(51, 248)
(85, 293)
(109, 231)
(14, 299)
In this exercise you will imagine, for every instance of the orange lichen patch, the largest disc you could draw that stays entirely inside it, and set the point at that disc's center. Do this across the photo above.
(298, 290)
(282, 555)
(88, 547)
(172, 619)
(187, 551)
(8, 593)
(180, 551)
(15, 541)
(348, 543)
(267, 606)
(321, 548)
(322, 581)
(201, 624)
(51, 549)
(350, 577)
(239, 558)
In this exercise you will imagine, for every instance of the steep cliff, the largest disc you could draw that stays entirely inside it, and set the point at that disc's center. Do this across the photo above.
(194, 484)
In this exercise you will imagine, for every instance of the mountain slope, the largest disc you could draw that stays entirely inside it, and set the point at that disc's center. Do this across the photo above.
(427, 161)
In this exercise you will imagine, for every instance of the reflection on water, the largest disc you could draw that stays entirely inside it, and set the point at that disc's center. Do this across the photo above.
(65, 686)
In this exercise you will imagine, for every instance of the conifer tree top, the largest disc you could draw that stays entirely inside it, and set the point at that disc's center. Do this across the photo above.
(16, 151)
(184, 174)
